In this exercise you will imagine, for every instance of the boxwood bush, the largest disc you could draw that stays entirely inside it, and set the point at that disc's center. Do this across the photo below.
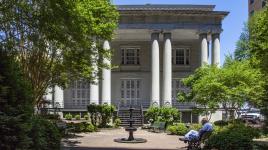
(82, 127)
(177, 129)
(68, 116)
(117, 122)
(77, 117)
(234, 136)
(86, 117)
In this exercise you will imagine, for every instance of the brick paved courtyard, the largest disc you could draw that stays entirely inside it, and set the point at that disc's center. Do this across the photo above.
(103, 140)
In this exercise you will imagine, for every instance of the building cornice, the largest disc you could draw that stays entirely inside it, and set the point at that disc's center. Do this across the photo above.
(165, 7)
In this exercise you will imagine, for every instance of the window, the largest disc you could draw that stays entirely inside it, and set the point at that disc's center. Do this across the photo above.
(130, 90)
(130, 56)
(251, 1)
(181, 56)
(177, 86)
(80, 92)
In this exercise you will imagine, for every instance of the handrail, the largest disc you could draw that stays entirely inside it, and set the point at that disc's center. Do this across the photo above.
(118, 108)
(141, 109)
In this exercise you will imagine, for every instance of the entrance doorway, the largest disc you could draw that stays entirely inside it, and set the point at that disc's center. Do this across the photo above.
(130, 92)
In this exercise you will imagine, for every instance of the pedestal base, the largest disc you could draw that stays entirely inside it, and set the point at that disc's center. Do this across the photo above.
(125, 140)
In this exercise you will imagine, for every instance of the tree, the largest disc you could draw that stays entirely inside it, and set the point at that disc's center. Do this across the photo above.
(16, 106)
(228, 87)
(53, 40)
(258, 48)
(242, 45)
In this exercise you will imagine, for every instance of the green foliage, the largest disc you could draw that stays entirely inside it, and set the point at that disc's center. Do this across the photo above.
(16, 105)
(258, 29)
(90, 127)
(45, 135)
(163, 114)
(82, 127)
(68, 116)
(56, 38)
(102, 113)
(106, 112)
(221, 123)
(195, 127)
(242, 45)
(77, 117)
(228, 87)
(117, 122)
(86, 117)
(233, 136)
(178, 129)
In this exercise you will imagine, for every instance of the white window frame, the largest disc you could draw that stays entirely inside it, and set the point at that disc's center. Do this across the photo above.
(185, 56)
(133, 88)
(80, 92)
(125, 57)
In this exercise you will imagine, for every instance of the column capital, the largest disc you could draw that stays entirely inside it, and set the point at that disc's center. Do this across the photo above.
(167, 35)
(215, 35)
(202, 34)
(155, 36)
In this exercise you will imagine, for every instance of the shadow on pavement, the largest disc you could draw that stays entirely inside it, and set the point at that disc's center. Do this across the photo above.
(113, 148)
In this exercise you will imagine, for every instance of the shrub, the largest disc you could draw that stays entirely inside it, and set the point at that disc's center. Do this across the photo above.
(117, 122)
(221, 123)
(103, 113)
(77, 117)
(106, 112)
(82, 127)
(16, 105)
(86, 117)
(68, 116)
(195, 126)
(178, 129)
(165, 114)
(44, 134)
(89, 127)
(233, 136)
(172, 129)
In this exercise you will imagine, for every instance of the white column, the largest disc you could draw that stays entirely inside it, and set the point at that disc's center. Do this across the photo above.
(167, 70)
(204, 48)
(94, 85)
(106, 77)
(58, 95)
(155, 83)
(216, 49)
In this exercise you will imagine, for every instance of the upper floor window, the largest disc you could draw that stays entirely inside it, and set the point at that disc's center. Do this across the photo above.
(251, 1)
(181, 56)
(130, 56)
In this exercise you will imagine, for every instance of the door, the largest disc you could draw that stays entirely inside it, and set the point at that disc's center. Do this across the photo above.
(130, 92)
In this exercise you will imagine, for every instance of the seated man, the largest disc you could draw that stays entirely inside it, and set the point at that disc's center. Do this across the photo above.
(191, 135)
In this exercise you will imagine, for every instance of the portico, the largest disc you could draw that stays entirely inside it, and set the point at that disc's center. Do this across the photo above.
(154, 47)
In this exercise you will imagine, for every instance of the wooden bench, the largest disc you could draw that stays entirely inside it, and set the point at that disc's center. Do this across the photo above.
(158, 126)
(195, 144)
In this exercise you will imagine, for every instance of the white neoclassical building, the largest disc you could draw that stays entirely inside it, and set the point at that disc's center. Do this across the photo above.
(154, 47)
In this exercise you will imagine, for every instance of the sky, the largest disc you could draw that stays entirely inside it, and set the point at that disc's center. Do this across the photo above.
(232, 25)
